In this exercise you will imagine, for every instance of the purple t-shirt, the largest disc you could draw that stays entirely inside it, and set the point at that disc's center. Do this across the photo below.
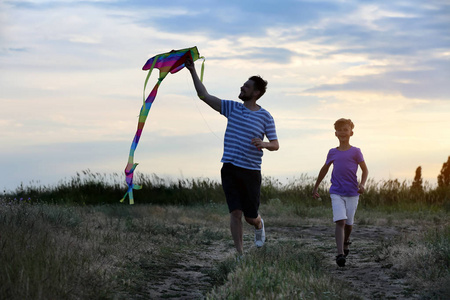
(345, 164)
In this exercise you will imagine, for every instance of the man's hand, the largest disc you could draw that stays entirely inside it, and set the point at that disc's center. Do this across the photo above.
(189, 64)
(258, 143)
(271, 145)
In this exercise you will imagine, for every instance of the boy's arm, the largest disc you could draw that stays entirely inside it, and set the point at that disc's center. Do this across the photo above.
(323, 172)
(202, 93)
(364, 175)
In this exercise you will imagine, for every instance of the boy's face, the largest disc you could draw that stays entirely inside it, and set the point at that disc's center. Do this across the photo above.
(344, 132)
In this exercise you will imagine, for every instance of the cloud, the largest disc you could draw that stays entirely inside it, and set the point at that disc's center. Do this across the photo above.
(72, 82)
(424, 80)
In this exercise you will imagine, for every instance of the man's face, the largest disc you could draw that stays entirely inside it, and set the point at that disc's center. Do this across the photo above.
(247, 91)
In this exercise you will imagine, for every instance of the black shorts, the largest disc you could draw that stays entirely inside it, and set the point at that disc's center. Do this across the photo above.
(242, 189)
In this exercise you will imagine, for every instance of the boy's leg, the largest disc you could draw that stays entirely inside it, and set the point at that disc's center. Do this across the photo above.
(351, 206)
(347, 232)
(237, 230)
(339, 217)
(339, 233)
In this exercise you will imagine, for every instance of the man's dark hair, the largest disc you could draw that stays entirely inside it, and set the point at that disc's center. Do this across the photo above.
(259, 84)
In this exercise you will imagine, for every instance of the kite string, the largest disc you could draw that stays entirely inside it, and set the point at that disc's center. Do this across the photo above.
(198, 109)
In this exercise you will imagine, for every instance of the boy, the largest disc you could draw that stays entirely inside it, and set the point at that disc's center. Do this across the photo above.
(344, 191)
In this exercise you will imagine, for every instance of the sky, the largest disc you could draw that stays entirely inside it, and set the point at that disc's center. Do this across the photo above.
(71, 85)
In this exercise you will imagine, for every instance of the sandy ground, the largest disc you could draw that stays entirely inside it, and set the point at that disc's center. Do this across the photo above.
(366, 275)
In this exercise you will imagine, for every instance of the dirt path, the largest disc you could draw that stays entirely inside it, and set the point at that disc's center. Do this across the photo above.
(190, 279)
(367, 275)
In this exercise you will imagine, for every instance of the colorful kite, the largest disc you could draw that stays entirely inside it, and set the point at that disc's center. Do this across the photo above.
(170, 62)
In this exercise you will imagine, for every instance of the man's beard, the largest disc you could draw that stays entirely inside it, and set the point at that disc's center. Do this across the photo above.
(244, 97)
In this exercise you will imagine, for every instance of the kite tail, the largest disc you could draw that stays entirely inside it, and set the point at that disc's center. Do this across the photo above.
(172, 62)
(131, 166)
(203, 68)
(129, 174)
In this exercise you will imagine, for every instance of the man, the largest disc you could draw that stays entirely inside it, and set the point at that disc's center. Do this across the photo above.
(248, 123)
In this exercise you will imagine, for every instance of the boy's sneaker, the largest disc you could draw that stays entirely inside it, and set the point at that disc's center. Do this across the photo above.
(260, 235)
(340, 260)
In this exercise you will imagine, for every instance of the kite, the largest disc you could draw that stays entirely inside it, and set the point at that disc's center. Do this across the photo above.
(170, 62)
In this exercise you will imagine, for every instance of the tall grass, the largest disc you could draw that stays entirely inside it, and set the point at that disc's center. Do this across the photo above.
(394, 193)
(89, 188)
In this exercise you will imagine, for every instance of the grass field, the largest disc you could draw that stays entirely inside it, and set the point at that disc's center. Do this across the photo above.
(75, 241)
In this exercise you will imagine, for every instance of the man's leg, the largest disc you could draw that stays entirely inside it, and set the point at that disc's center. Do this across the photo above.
(255, 222)
(236, 229)
(260, 233)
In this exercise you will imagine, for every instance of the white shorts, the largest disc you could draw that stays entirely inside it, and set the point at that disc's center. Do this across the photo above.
(344, 208)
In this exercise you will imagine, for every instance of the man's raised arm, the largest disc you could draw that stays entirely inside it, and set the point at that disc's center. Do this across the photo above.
(202, 93)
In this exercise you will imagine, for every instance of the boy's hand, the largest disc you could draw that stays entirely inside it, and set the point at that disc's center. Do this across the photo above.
(361, 188)
(316, 194)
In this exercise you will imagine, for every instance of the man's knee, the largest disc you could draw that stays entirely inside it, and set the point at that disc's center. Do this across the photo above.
(236, 214)
(253, 221)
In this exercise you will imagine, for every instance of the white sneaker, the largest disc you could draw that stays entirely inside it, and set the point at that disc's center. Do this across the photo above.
(260, 235)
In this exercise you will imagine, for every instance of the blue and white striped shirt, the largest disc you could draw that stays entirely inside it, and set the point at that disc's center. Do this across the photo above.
(244, 125)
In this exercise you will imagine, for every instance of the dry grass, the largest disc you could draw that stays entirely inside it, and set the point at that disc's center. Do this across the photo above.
(285, 270)
(69, 252)
(124, 252)
(423, 258)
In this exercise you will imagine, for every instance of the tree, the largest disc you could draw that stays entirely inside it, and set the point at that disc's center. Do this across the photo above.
(444, 177)
(417, 183)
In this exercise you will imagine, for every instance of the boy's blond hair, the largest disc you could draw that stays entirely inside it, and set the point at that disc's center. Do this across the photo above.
(341, 122)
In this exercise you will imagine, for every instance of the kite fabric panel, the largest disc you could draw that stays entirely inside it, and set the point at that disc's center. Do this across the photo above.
(170, 62)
